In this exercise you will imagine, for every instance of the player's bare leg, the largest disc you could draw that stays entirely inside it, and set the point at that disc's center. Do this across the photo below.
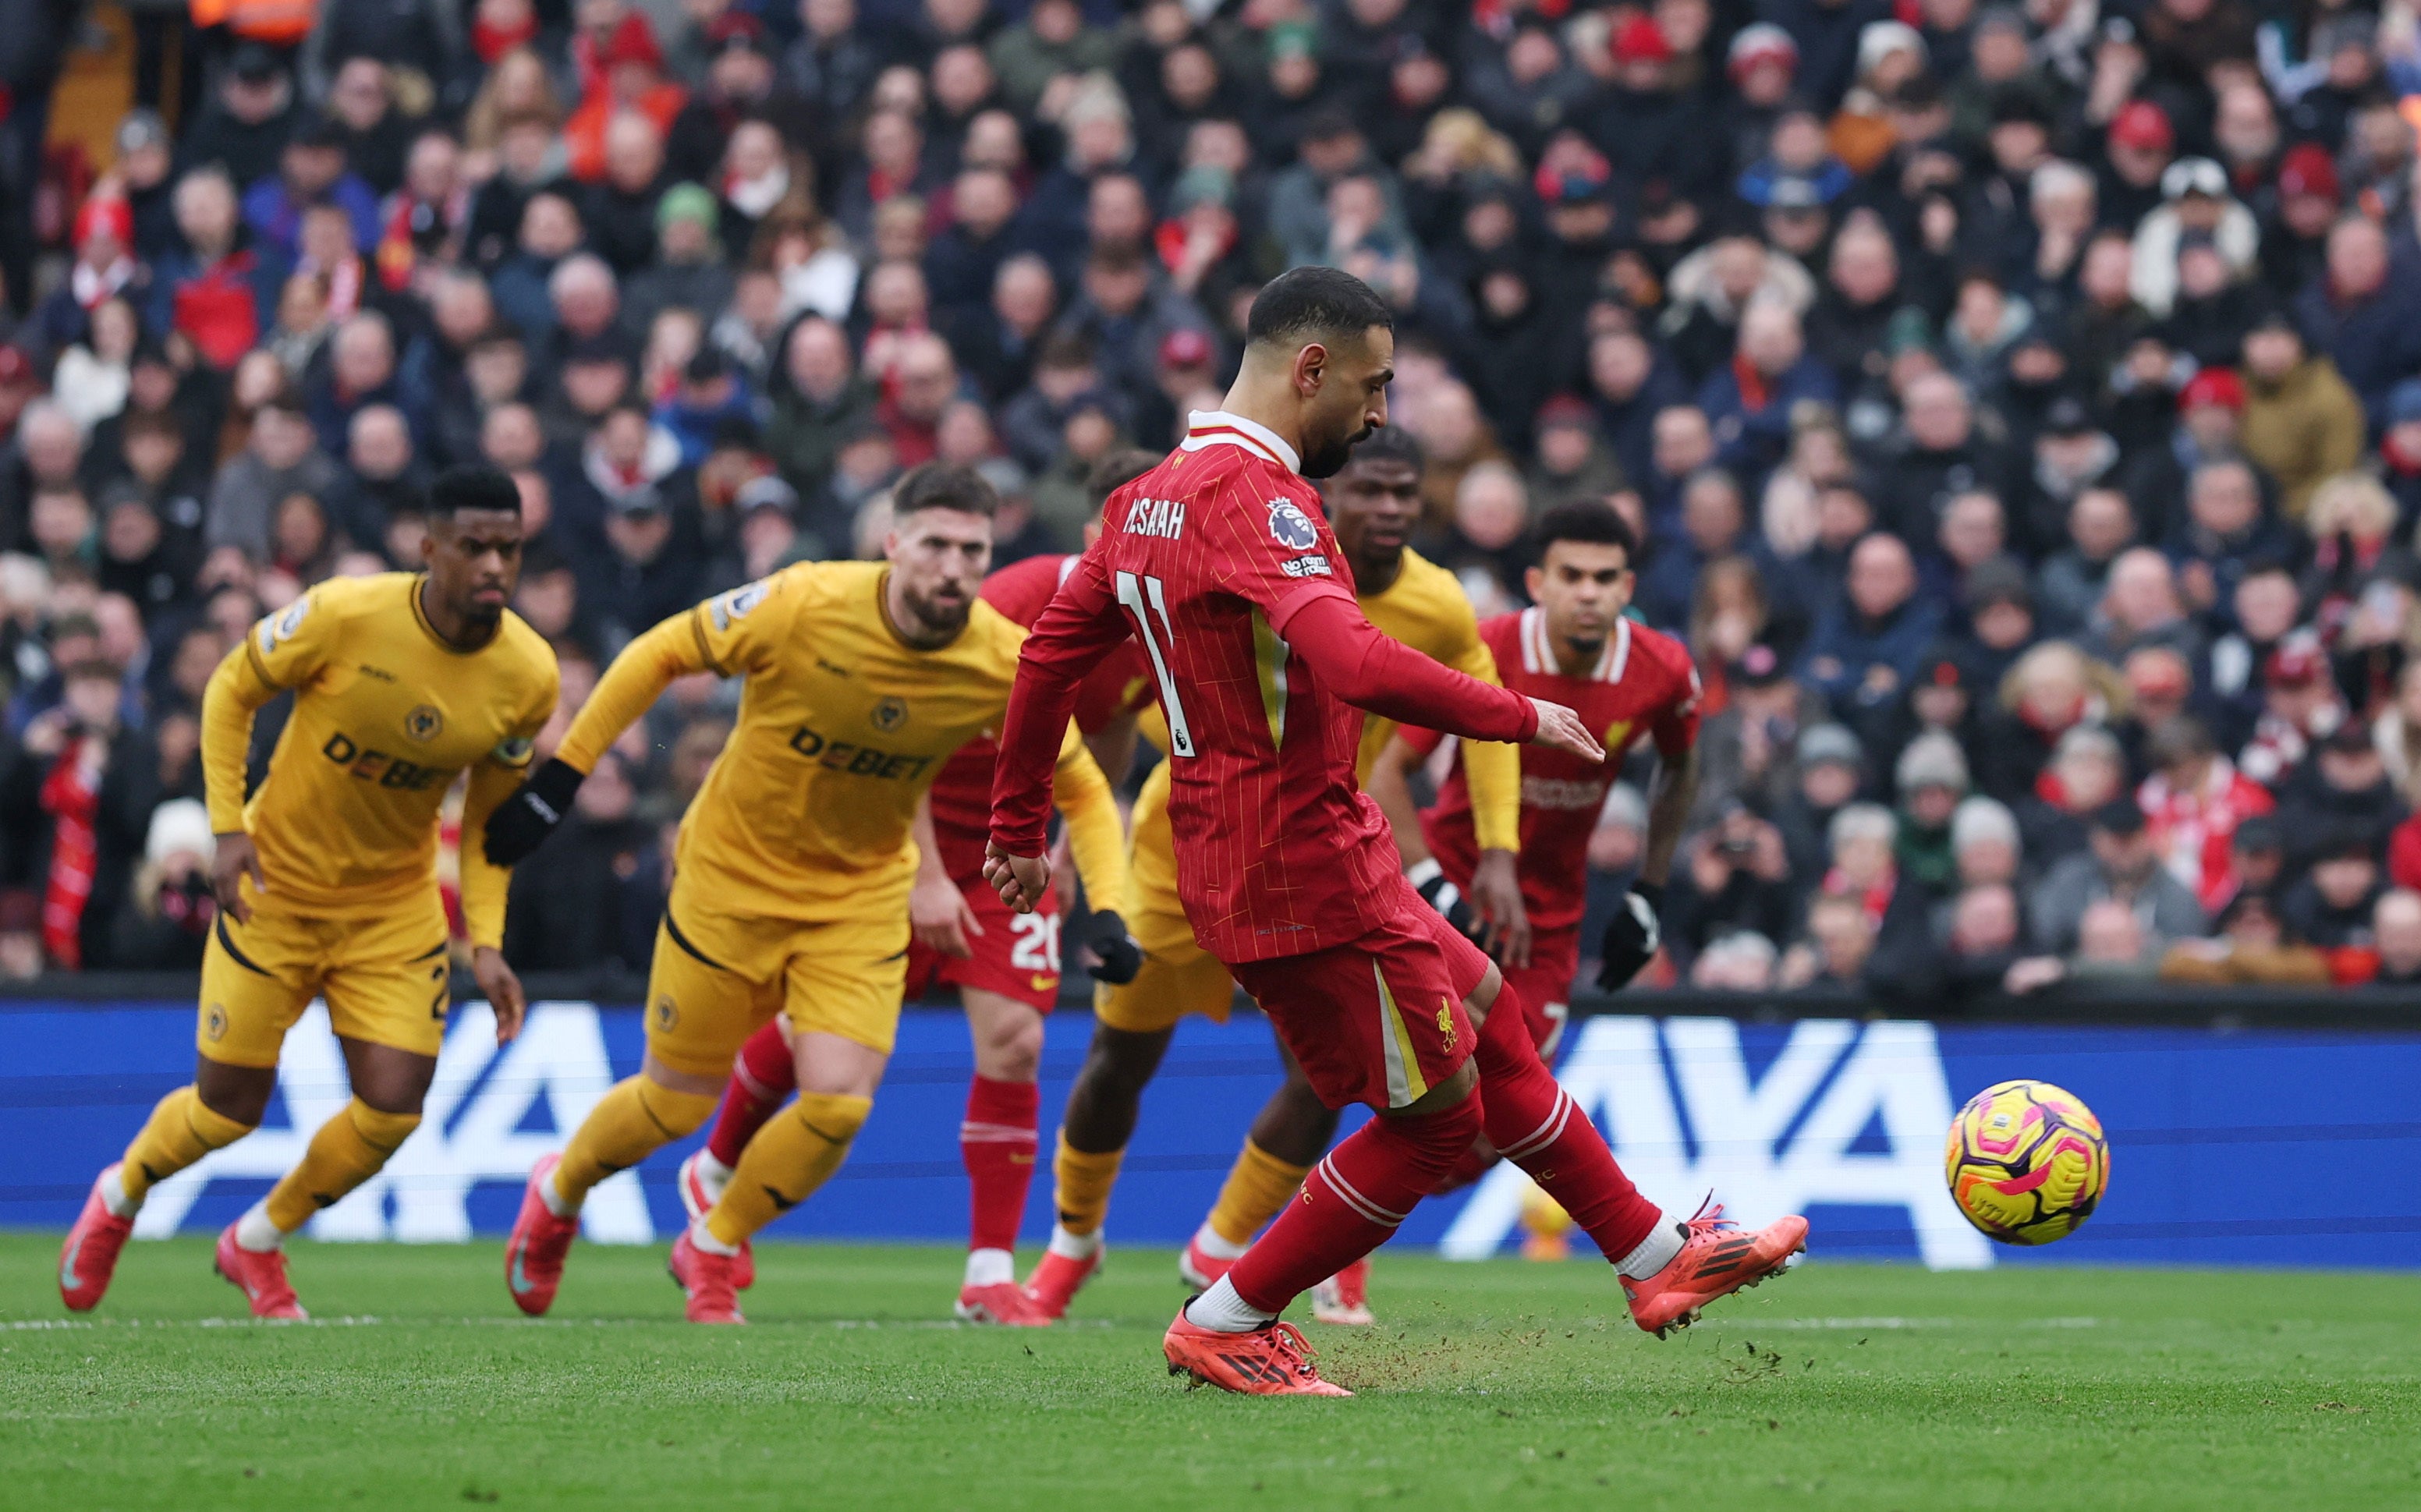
(389, 1088)
(997, 1140)
(223, 1103)
(639, 1115)
(1100, 1118)
(788, 1158)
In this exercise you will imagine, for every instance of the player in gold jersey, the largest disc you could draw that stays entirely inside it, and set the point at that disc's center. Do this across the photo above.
(326, 882)
(1373, 502)
(794, 864)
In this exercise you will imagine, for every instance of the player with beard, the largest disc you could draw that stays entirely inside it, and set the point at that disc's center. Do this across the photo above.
(794, 864)
(1218, 564)
(326, 880)
(1005, 965)
(1373, 503)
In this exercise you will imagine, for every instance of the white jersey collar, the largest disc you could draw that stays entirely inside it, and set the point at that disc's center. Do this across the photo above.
(1217, 428)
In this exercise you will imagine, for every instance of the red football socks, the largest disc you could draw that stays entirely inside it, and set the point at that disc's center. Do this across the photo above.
(1534, 1123)
(1352, 1201)
(762, 1077)
(998, 1144)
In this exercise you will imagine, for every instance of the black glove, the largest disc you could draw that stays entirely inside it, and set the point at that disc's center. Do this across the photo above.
(1117, 957)
(522, 822)
(1629, 942)
(1429, 880)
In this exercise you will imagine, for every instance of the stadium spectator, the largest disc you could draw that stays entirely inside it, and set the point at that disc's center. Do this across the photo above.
(2301, 423)
(2121, 866)
(1866, 647)
(2195, 800)
(2395, 933)
(2332, 906)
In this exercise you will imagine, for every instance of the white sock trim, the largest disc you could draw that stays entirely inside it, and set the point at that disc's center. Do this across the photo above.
(1222, 1311)
(1655, 1252)
(1369, 1211)
(254, 1232)
(556, 1203)
(1074, 1246)
(991, 1268)
(711, 1171)
(702, 1237)
(1216, 1245)
(112, 1194)
(1545, 1134)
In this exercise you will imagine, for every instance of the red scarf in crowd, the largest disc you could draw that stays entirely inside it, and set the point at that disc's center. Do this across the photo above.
(1875, 900)
(72, 800)
(1755, 391)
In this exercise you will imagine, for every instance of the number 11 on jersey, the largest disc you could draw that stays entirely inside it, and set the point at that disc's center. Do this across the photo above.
(1133, 592)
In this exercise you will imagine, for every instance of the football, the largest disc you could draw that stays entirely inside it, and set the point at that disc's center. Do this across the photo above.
(2027, 1161)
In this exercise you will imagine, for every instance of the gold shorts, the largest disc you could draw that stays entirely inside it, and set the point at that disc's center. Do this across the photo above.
(1179, 976)
(717, 978)
(385, 976)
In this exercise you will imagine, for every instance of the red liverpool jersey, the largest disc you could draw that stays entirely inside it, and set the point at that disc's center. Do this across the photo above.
(1643, 683)
(1207, 561)
(962, 794)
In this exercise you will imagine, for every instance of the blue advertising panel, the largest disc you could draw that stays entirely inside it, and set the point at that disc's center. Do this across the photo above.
(2228, 1149)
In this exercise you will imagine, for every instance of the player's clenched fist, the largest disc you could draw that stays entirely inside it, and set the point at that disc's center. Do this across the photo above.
(1021, 881)
(1116, 957)
(1561, 728)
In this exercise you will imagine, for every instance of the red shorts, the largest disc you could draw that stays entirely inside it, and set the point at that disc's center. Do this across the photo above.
(1545, 986)
(1017, 955)
(1378, 1021)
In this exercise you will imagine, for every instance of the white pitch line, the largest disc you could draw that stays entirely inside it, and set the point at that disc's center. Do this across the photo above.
(46, 1325)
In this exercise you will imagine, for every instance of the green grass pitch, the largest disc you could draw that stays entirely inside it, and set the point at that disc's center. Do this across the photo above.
(1500, 1385)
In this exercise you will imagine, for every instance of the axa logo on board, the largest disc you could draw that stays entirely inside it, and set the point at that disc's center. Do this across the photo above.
(1674, 1097)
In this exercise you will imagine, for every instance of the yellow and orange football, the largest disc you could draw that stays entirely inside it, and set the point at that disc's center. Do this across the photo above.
(2027, 1162)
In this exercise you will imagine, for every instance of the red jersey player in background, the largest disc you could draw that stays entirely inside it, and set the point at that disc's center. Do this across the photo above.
(1005, 965)
(1219, 564)
(1625, 681)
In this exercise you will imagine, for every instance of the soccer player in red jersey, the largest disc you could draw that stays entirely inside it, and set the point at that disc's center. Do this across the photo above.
(1219, 565)
(1625, 681)
(1005, 965)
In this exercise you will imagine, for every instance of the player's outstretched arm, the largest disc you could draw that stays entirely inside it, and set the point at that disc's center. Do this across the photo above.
(1386, 677)
(1562, 729)
(628, 689)
(1075, 631)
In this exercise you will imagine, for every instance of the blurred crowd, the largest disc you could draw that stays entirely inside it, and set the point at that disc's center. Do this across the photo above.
(2019, 403)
